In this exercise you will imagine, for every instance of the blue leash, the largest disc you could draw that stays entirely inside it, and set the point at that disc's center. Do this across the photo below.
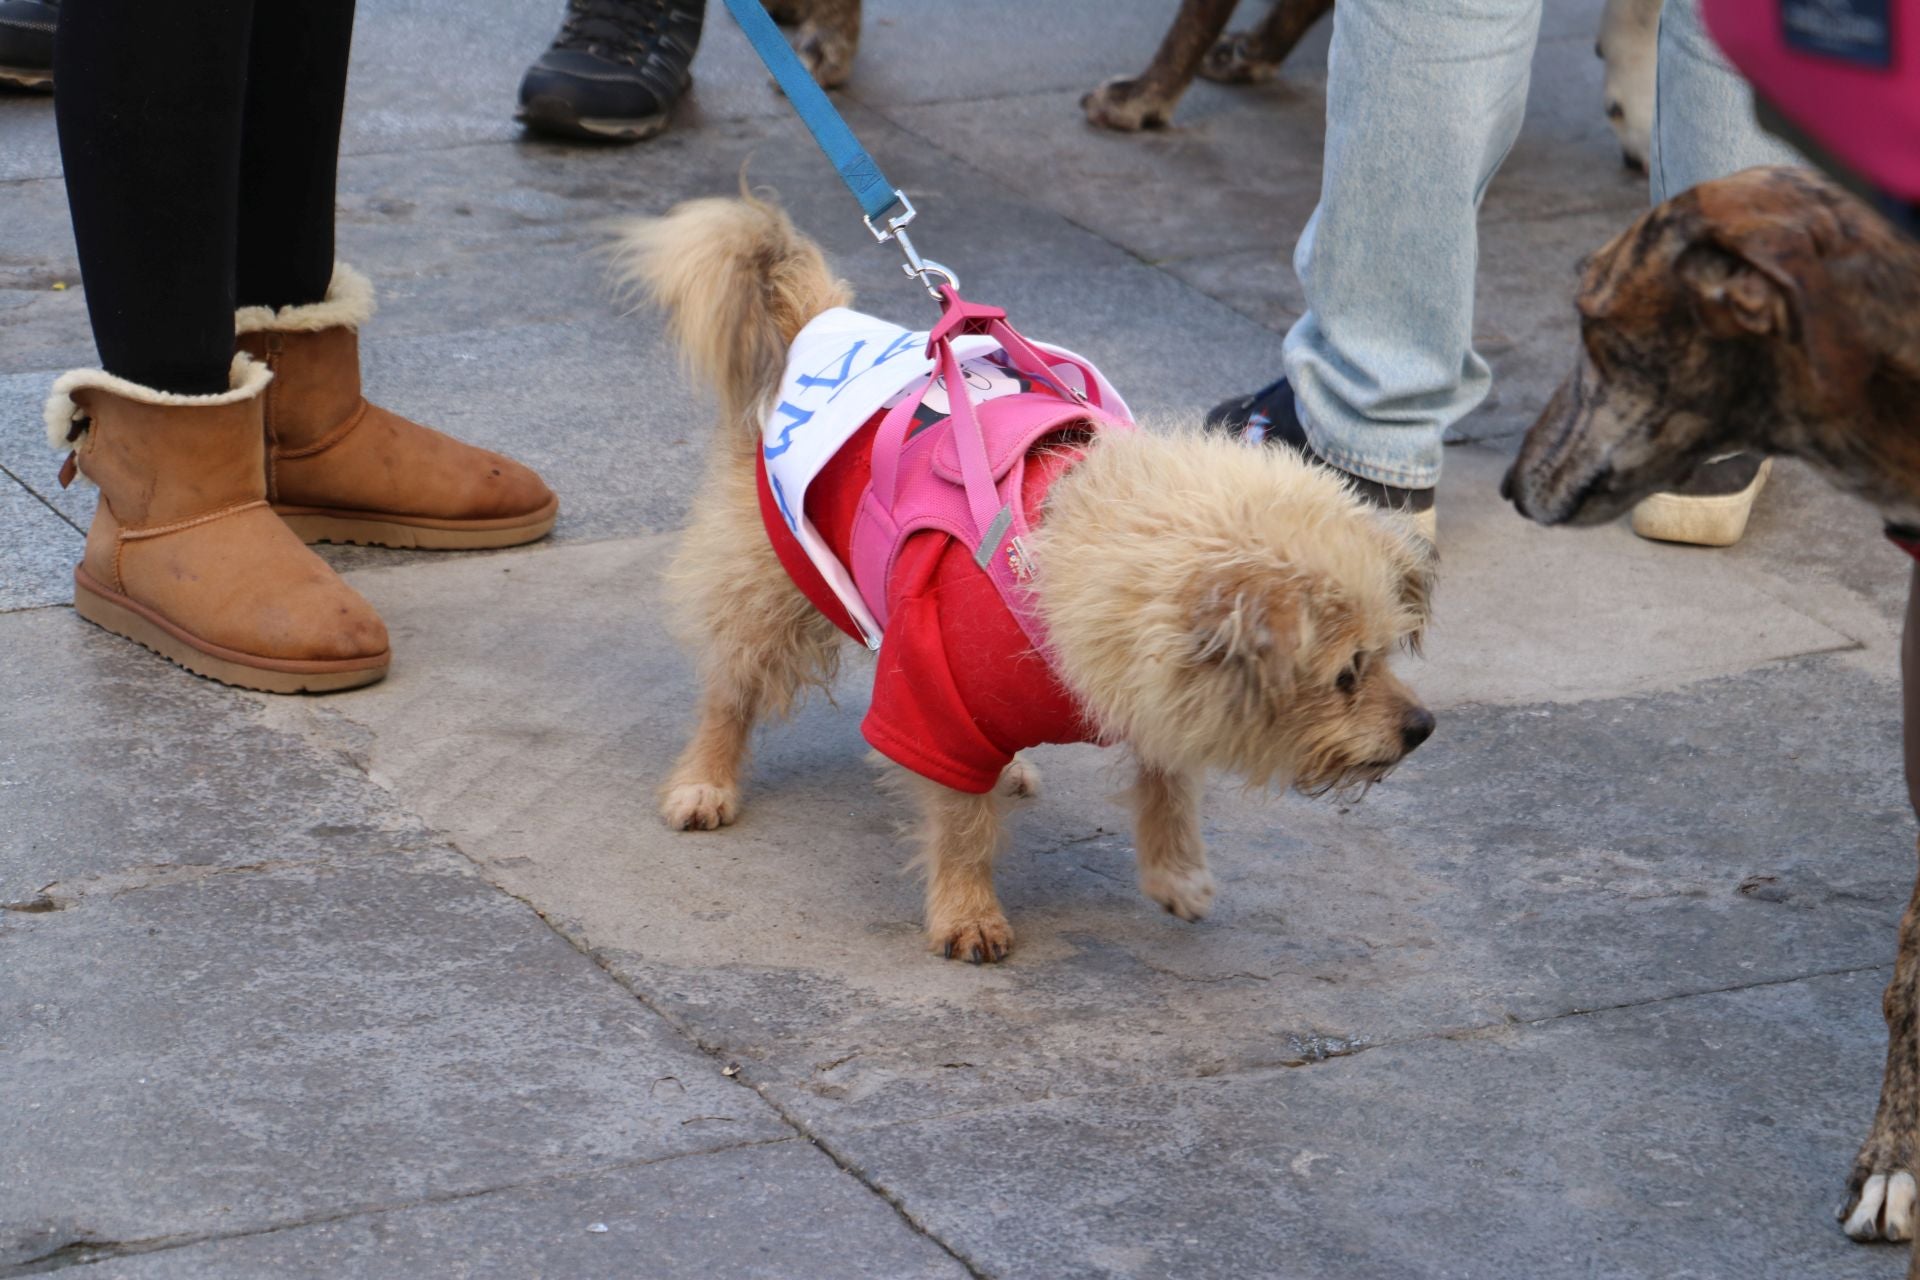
(879, 199)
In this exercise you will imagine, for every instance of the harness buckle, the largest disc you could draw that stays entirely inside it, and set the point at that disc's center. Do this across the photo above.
(915, 267)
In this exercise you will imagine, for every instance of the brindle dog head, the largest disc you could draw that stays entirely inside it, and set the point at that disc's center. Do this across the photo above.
(1714, 323)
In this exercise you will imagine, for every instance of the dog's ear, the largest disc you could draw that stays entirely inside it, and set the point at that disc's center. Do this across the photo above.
(1745, 289)
(1251, 617)
(1418, 563)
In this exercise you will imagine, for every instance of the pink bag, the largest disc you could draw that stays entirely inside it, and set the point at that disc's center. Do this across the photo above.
(963, 474)
(1847, 72)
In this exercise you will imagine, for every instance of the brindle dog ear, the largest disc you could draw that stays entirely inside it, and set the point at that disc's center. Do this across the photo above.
(1736, 296)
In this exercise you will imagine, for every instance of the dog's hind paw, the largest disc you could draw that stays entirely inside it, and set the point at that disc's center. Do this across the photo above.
(1020, 780)
(1882, 1209)
(1235, 59)
(985, 941)
(1184, 892)
(827, 54)
(699, 806)
(1125, 104)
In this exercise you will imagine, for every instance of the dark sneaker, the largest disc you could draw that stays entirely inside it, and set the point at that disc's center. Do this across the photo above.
(1269, 416)
(1711, 508)
(26, 44)
(614, 71)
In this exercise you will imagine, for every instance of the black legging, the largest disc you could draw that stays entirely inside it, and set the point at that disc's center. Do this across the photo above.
(200, 142)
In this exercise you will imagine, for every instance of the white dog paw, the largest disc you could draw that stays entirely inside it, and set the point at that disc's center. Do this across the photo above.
(1020, 780)
(1187, 892)
(1885, 1209)
(699, 806)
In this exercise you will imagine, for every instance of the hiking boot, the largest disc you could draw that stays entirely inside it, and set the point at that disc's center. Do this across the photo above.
(1269, 416)
(614, 71)
(1711, 508)
(26, 44)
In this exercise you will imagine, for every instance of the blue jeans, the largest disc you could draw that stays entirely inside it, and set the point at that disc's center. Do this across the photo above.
(1424, 100)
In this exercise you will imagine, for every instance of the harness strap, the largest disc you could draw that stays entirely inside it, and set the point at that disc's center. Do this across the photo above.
(855, 167)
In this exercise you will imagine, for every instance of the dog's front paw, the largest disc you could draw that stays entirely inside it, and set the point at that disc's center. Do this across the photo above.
(1126, 104)
(1187, 892)
(699, 806)
(826, 54)
(1020, 780)
(1235, 59)
(1881, 1209)
(980, 941)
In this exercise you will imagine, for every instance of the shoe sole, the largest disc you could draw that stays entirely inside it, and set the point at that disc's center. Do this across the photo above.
(551, 115)
(111, 611)
(1718, 520)
(364, 529)
(28, 79)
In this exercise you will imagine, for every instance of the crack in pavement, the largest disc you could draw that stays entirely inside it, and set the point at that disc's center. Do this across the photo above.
(85, 1249)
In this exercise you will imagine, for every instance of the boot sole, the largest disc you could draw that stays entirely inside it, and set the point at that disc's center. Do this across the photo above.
(552, 115)
(126, 617)
(363, 529)
(1719, 520)
(26, 79)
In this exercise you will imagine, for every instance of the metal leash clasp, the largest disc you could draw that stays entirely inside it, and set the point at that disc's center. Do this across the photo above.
(915, 267)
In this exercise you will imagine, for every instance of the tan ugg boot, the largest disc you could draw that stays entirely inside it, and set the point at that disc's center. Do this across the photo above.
(186, 557)
(342, 470)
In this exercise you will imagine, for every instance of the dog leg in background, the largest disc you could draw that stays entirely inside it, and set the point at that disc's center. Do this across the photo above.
(1167, 841)
(788, 13)
(1146, 101)
(1629, 44)
(1254, 57)
(1881, 1189)
(828, 41)
(960, 836)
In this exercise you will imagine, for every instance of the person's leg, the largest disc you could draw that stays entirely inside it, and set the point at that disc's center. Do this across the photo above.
(149, 118)
(1703, 128)
(290, 150)
(1424, 98)
(183, 555)
(339, 469)
(1703, 123)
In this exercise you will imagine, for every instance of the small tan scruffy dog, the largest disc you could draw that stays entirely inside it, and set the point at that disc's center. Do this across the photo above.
(1208, 605)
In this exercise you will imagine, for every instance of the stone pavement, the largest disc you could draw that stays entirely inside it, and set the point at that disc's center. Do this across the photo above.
(410, 981)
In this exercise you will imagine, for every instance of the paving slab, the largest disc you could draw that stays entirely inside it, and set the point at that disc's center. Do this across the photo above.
(114, 762)
(1614, 1146)
(757, 1213)
(1532, 859)
(38, 550)
(194, 1054)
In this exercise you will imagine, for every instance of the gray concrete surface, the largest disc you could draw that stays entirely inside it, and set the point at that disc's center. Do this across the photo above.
(410, 981)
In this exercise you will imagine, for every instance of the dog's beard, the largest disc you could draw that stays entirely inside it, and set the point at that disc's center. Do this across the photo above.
(1348, 782)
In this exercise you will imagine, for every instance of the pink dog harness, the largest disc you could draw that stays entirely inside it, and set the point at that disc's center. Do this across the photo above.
(956, 467)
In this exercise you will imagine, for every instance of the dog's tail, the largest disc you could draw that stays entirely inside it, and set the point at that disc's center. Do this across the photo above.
(737, 283)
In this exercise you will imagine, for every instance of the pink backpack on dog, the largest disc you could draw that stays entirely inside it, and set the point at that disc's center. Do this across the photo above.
(963, 474)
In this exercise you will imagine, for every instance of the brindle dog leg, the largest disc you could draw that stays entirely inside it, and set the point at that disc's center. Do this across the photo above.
(1252, 57)
(1146, 101)
(1881, 1189)
(828, 40)
(786, 12)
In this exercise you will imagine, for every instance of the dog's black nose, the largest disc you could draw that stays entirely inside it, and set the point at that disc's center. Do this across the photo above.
(1416, 728)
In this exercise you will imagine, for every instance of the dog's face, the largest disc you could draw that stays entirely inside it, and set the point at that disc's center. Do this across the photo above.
(1695, 339)
(1219, 606)
(1295, 659)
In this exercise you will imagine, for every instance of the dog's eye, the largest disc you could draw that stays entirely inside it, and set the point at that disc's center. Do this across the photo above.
(1348, 679)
